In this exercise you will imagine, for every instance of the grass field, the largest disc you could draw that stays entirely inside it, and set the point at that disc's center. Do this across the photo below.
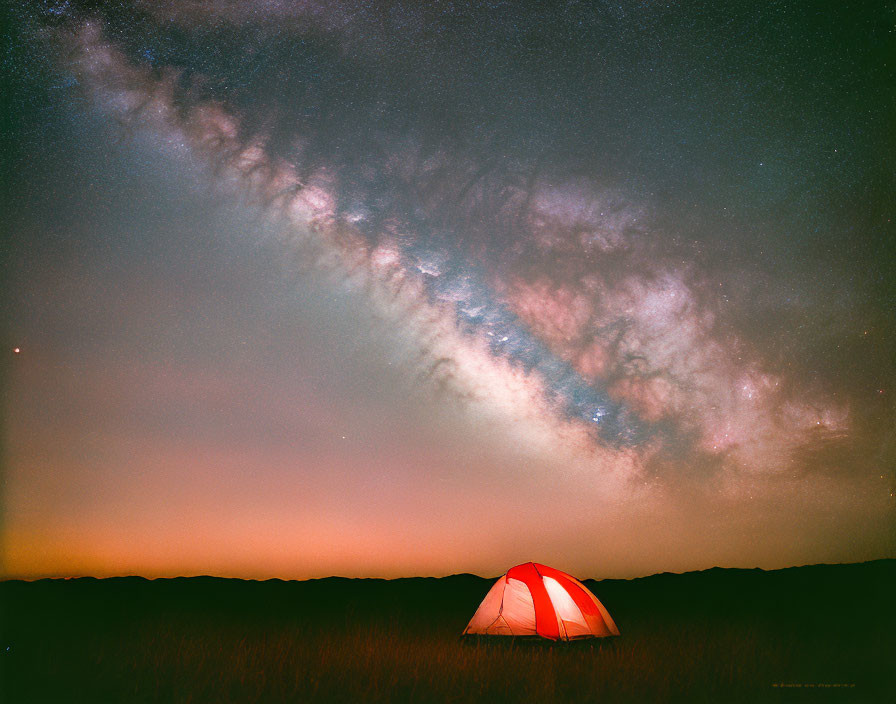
(713, 636)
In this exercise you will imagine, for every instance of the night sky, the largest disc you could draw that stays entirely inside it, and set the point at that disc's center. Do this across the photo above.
(400, 288)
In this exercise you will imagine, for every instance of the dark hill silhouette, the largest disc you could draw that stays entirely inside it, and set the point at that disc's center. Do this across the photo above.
(718, 592)
(714, 635)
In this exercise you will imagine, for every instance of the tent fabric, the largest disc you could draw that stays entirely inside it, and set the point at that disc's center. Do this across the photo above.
(519, 608)
(545, 616)
(571, 621)
(596, 616)
(486, 615)
(536, 600)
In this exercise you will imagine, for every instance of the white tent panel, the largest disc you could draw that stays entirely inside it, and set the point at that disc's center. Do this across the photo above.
(518, 608)
(570, 620)
(488, 610)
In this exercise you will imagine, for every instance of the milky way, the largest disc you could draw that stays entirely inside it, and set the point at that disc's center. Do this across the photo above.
(649, 241)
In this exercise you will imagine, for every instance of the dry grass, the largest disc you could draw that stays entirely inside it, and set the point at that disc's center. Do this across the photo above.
(400, 651)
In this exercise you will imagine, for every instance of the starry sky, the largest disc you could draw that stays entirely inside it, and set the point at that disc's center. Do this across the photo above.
(395, 288)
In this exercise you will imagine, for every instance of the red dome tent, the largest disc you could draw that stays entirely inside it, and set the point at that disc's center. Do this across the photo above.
(535, 600)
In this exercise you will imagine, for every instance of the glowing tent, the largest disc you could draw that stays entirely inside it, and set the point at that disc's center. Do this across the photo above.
(534, 600)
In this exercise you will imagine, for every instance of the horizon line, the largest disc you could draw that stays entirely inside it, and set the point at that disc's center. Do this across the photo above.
(446, 576)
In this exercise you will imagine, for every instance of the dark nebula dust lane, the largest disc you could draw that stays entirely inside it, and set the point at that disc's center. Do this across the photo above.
(640, 256)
